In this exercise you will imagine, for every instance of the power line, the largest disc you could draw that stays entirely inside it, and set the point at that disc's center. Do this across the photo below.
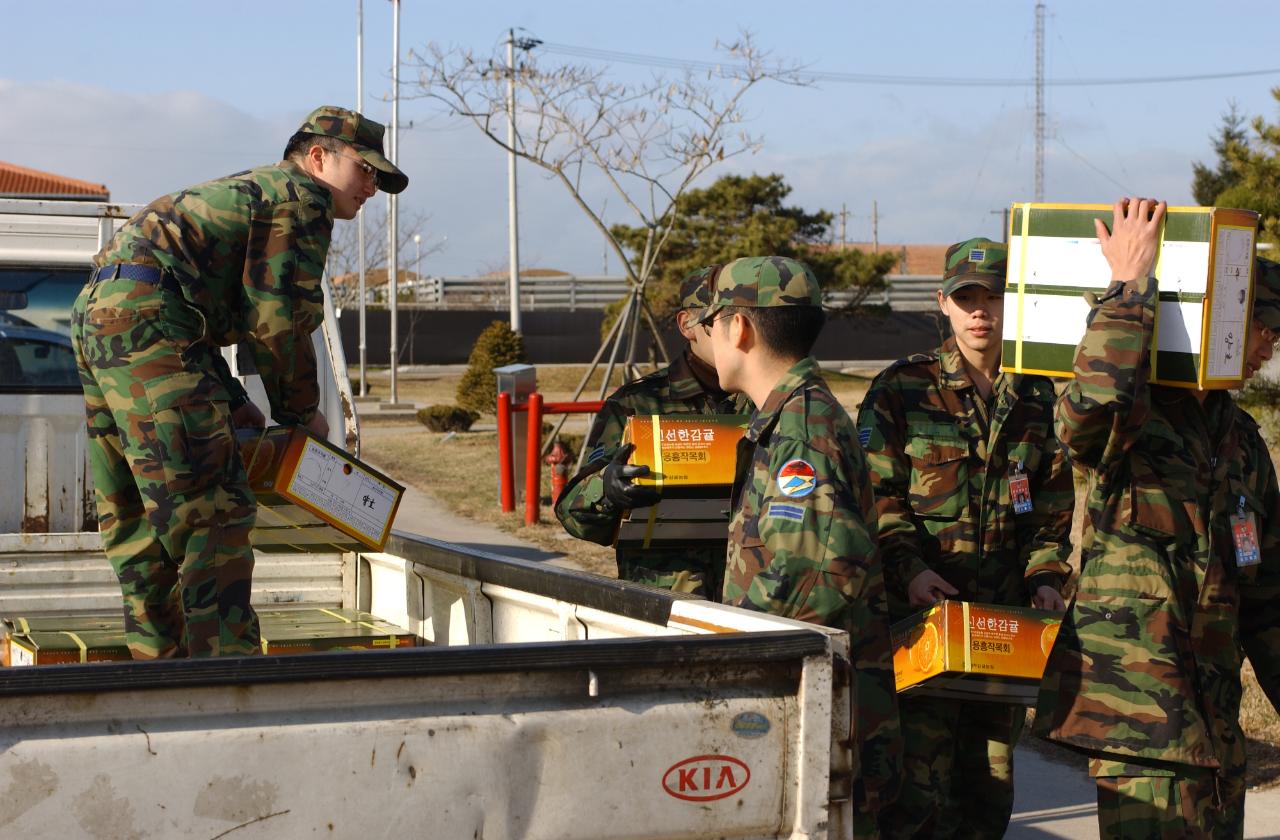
(595, 54)
(1090, 164)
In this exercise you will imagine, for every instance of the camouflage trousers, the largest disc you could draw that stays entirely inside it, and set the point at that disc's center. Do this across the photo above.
(693, 570)
(957, 769)
(174, 505)
(1165, 802)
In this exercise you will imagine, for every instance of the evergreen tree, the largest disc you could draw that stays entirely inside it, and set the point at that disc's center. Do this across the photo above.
(497, 345)
(1209, 183)
(744, 216)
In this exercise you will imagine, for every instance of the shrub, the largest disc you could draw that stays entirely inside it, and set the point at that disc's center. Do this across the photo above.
(447, 418)
(498, 345)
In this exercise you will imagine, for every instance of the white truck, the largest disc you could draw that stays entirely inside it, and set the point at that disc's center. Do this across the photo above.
(543, 703)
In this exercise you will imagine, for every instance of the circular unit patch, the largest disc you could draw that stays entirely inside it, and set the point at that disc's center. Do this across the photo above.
(797, 478)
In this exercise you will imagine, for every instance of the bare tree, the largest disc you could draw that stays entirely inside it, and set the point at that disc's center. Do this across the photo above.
(647, 141)
(344, 256)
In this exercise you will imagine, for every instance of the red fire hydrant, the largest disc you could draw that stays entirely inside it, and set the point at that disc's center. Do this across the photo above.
(558, 460)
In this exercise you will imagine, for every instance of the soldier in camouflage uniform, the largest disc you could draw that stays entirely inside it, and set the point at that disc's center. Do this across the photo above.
(802, 539)
(1180, 565)
(233, 260)
(946, 433)
(592, 504)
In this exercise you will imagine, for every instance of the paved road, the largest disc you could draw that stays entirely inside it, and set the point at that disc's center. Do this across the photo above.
(1052, 800)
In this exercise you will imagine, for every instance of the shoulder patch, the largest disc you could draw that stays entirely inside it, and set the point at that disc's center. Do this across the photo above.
(597, 454)
(797, 478)
(864, 436)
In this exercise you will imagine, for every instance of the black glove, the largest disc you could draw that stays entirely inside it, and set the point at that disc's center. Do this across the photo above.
(620, 489)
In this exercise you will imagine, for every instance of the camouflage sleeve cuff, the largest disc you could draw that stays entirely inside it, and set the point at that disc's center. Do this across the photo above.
(1051, 579)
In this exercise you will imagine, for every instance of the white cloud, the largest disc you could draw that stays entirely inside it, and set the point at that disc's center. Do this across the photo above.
(936, 176)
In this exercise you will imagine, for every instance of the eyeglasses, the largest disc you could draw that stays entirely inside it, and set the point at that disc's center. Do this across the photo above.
(707, 325)
(366, 168)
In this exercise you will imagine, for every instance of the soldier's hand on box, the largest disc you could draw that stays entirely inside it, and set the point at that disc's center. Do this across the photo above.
(1048, 598)
(319, 426)
(248, 416)
(1130, 246)
(619, 482)
(928, 588)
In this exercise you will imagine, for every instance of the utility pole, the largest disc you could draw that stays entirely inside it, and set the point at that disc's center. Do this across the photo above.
(513, 227)
(844, 217)
(1040, 101)
(875, 227)
(393, 221)
(513, 245)
(364, 377)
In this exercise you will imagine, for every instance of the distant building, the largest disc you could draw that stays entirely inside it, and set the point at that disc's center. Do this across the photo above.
(913, 260)
(22, 182)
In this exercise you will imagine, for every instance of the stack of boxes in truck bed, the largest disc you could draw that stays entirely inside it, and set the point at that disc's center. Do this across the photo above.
(311, 497)
(691, 460)
(1203, 276)
(54, 640)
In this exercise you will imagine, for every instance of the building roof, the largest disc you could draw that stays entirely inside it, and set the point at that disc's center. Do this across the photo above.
(374, 277)
(531, 272)
(22, 182)
(915, 259)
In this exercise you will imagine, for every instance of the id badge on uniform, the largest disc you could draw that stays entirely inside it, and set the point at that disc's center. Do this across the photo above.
(1244, 533)
(1020, 490)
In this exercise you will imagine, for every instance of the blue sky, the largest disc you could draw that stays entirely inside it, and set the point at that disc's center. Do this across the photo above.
(154, 96)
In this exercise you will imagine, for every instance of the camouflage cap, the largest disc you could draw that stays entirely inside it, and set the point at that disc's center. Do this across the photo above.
(364, 135)
(759, 282)
(975, 262)
(1266, 294)
(695, 289)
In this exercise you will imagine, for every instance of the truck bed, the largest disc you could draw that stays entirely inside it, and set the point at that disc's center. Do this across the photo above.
(550, 703)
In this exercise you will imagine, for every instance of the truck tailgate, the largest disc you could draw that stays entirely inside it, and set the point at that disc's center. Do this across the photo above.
(684, 736)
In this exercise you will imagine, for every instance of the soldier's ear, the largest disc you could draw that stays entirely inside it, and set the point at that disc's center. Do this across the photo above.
(942, 302)
(742, 333)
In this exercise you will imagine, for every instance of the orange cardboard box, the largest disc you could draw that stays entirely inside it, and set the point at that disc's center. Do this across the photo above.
(686, 450)
(974, 651)
(312, 495)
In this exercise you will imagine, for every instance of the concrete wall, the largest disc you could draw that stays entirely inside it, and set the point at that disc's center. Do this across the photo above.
(434, 336)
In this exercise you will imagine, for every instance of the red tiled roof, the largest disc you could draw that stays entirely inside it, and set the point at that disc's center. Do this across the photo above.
(913, 259)
(19, 182)
(530, 272)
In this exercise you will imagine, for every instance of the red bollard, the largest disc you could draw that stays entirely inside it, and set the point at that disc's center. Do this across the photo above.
(558, 460)
(506, 460)
(532, 463)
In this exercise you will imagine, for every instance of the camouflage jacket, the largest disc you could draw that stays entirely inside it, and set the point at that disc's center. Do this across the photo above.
(583, 509)
(248, 251)
(802, 545)
(940, 459)
(1147, 665)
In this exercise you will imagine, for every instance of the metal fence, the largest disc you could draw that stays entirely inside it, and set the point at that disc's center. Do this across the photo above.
(905, 292)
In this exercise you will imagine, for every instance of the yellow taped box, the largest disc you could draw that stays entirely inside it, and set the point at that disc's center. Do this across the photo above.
(312, 495)
(1204, 277)
(973, 651)
(53, 640)
(692, 458)
(686, 450)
